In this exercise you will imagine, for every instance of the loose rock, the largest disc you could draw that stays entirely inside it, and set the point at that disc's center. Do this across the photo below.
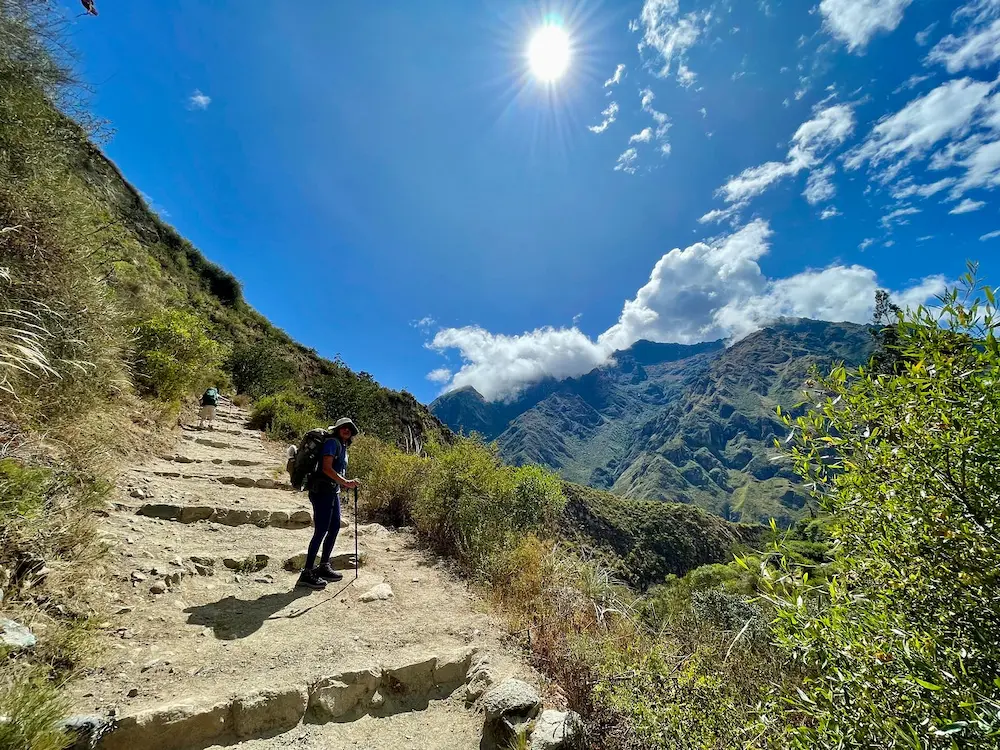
(556, 730)
(14, 635)
(382, 592)
(511, 697)
(158, 588)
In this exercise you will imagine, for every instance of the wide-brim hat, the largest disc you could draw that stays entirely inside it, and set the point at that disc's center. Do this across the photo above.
(346, 421)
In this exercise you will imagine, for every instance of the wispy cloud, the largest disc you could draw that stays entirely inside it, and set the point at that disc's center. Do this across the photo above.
(967, 206)
(616, 77)
(828, 129)
(829, 213)
(198, 100)
(627, 161)
(610, 114)
(898, 216)
(990, 235)
(643, 136)
(670, 35)
(856, 22)
(424, 324)
(866, 243)
(923, 36)
(819, 186)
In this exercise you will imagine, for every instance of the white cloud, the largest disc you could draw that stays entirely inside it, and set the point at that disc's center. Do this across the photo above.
(898, 216)
(670, 35)
(921, 37)
(945, 112)
(662, 121)
(828, 129)
(626, 161)
(967, 206)
(707, 291)
(722, 214)
(610, 114)
(906, 189)
(829, 213)
(819, 186)
(644, 136)
(617, 77)
(424, 324)
(704, 112)
(866, 243)
(855, 22)
(977, 48)
(198, 100)
(990, 235)
(440, 375)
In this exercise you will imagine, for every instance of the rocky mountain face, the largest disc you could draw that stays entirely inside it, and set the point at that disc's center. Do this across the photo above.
(691, 424)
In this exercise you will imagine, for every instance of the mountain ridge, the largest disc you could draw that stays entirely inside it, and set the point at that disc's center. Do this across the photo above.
(674, 422)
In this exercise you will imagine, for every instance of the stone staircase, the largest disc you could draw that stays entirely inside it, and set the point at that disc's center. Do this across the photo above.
(208, 643)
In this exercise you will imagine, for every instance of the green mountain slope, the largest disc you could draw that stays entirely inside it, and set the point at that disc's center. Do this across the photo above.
(692, 424)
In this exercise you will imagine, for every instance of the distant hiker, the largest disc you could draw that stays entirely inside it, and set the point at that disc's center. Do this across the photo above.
(324, 493)
(209, 400)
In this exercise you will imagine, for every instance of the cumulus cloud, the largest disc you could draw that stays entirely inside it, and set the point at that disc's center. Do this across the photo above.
(967, 206)
(610, 114)
(440, 375)
(829, 213)
(814, 139)
(670, 35)
(198, 100)
(819, 186)
(855, 22)
(643, 136)
(616, 77)
(707, 291)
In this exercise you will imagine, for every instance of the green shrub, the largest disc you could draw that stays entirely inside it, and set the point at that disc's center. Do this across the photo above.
(32, 710)
(285, 416)
(392, 479)
(258, 369)
(477, 510)
(901, 646)
(174, 355)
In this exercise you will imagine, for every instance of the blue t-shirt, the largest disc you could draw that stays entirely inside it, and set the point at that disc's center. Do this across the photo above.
(333, 447)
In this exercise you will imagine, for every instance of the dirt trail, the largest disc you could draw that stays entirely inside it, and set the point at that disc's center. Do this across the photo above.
(218, 633)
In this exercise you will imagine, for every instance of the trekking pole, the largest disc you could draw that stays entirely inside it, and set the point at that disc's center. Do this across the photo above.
(356, 560)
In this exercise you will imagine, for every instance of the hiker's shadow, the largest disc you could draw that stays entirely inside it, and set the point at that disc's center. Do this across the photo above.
(233, 618)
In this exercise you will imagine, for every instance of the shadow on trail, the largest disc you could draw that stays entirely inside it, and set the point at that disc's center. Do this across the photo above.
(233, 618)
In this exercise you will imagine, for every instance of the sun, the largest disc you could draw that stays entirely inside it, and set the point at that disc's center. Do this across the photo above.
(549, 52)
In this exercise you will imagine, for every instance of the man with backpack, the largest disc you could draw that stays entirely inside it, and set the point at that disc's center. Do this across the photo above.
(324, 482)
(209, 400)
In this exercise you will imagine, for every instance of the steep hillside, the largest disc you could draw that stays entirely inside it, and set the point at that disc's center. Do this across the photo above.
(692, 424)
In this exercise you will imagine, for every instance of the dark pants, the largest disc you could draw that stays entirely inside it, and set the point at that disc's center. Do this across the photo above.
(326, 522)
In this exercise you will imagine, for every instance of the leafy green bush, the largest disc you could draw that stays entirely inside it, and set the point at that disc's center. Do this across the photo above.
(902, 645)
(174, 355)
(285, 416)
(258, 369)
(393, 480)
(475, 509)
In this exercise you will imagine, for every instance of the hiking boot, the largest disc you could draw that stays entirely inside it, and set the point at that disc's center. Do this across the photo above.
(310, 580)
(327, 573)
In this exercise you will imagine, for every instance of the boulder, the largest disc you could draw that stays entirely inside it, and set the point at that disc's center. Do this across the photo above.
(271, 710)
(343, 695)
(511, 697)
(382, 592)
(556, 730)
(177, 726)
(413, 675)
(452, 670)
(15, 636)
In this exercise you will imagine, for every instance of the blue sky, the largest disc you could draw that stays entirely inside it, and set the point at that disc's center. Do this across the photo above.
(392, 183)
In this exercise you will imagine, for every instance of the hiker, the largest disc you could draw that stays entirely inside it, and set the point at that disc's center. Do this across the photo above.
(324, 494)
(209, 400)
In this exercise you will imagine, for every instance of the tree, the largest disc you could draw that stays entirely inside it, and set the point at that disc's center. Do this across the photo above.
(885, 332)
(901, 647)
(258, 369)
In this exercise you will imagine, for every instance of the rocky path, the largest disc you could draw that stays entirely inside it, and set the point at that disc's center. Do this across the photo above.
(209, 643)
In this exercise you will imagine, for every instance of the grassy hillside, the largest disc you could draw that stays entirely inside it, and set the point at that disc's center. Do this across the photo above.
(644, 541)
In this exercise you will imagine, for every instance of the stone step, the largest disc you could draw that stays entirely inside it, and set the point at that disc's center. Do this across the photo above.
(181, 459)
(262, 518)
(263, 483)
(401, 683)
